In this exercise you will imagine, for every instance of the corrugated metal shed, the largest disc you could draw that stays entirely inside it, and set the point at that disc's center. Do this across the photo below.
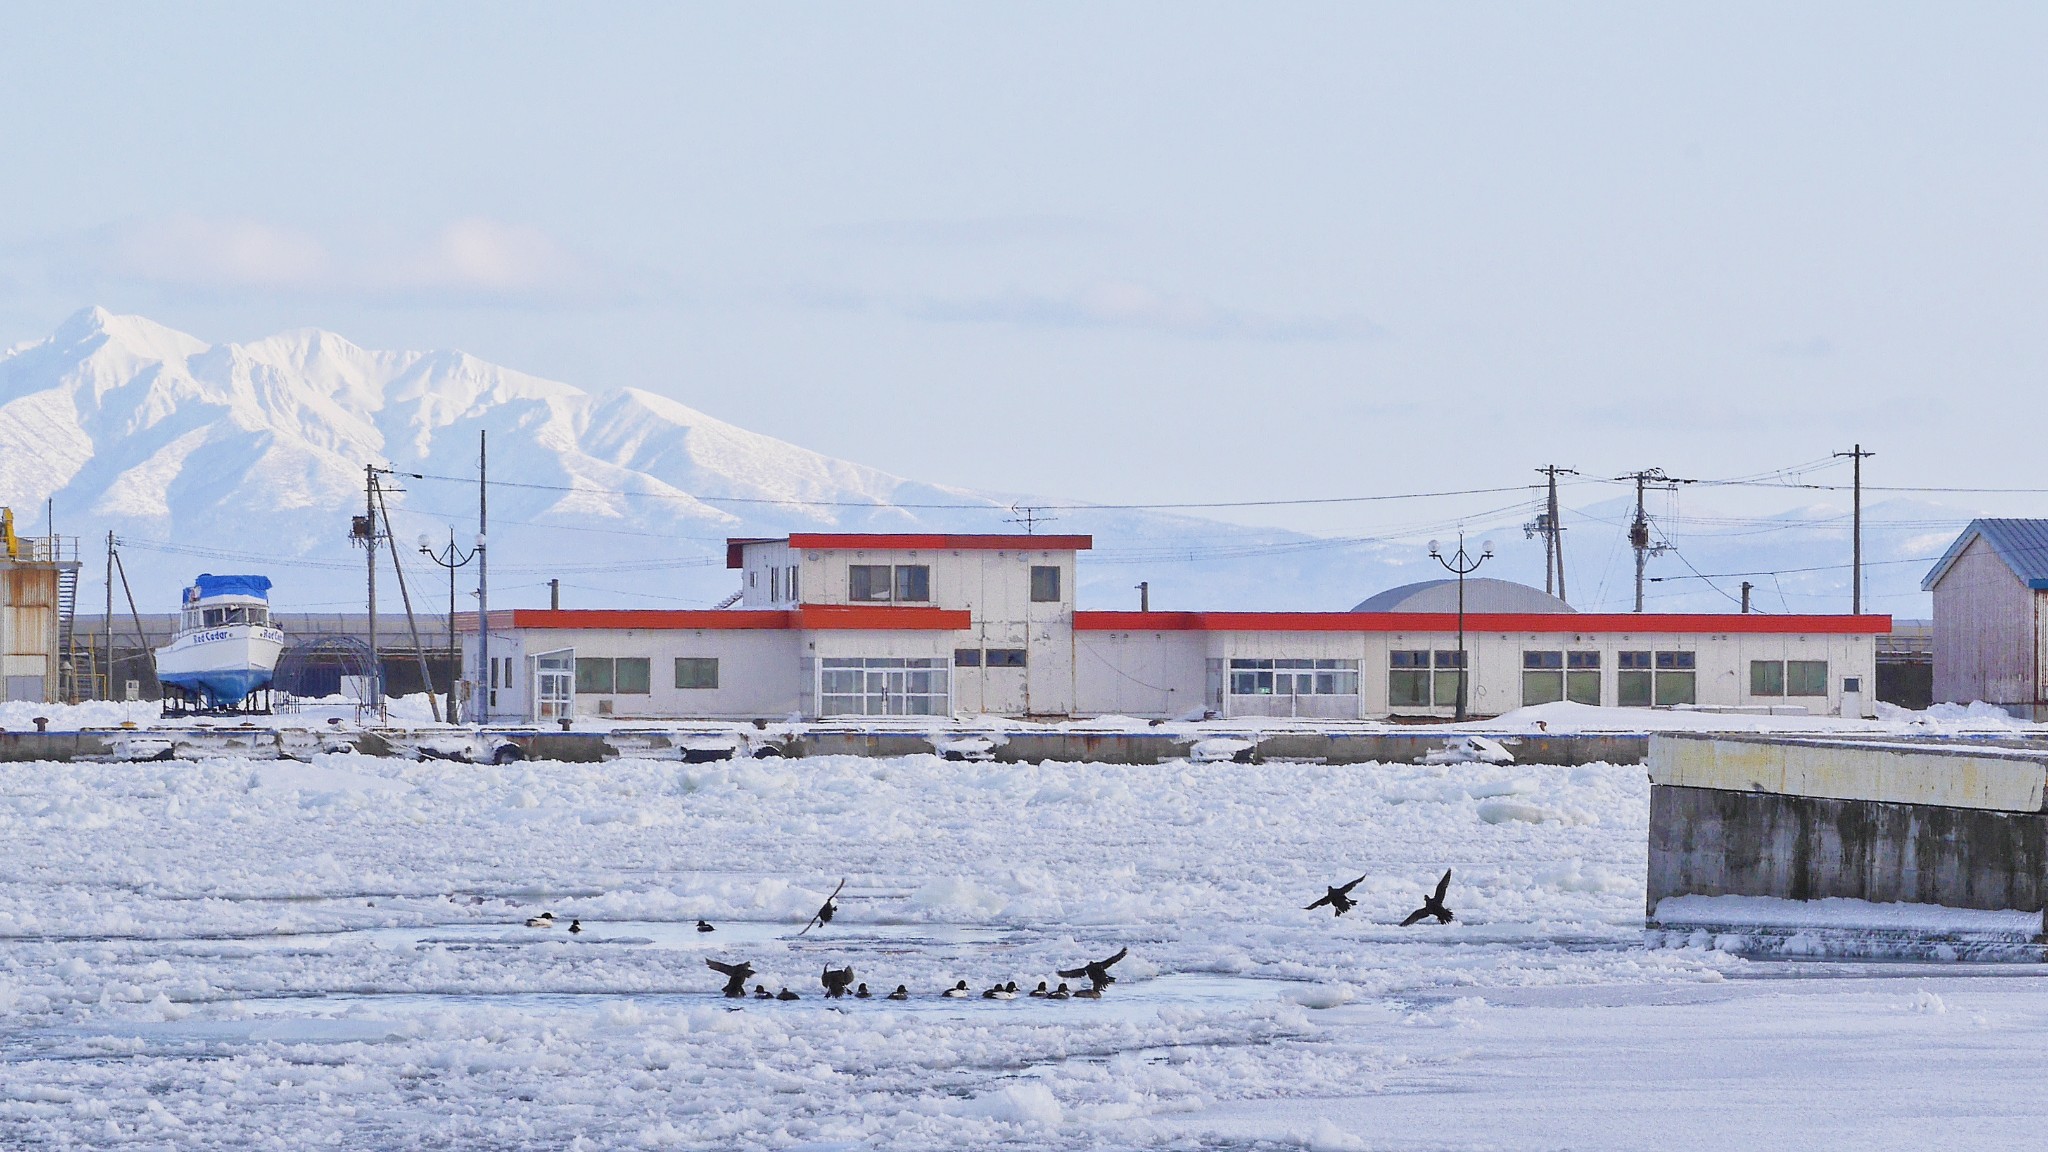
(2021, 544)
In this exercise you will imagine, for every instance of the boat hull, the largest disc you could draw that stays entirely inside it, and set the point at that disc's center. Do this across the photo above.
(221, 665)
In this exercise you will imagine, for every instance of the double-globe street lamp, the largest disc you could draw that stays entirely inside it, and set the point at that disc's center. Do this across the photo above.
(1461, 563)
(450, 558)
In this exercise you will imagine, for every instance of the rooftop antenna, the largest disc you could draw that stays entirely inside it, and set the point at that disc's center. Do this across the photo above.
(1029, 515)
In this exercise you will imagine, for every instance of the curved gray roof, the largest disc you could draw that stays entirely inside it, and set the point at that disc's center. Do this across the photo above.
(1482, 594)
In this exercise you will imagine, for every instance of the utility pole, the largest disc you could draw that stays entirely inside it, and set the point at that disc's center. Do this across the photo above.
(483, 577)
(1462, 565)
(107, 621)
(1549, 525)
(1144, 595)
(554, 595)
(1856, 457)
(1746, 586)
(364, 531)
(1639, 527)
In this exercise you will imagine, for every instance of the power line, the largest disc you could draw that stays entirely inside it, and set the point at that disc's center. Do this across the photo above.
(989, 506)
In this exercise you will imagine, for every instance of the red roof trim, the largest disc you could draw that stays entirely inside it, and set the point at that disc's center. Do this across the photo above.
(883, 617)
(904, 542)
(829, 617)
(1548, 622)
(735, 548)
(650, 619)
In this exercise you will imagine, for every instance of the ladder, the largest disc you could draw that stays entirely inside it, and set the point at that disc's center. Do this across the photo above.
(67, 617)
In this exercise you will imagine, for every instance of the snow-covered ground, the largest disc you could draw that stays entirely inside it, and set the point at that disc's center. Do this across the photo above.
(237, 954)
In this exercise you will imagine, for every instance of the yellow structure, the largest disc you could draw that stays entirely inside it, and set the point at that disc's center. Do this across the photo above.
(37, 573)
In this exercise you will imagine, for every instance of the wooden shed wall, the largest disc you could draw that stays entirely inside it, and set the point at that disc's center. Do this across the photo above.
(1984, 631)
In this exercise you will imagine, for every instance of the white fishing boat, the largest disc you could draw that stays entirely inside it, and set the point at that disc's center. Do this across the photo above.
(225, 647)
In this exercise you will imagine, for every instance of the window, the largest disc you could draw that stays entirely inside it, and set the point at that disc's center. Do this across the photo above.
(883, 686)
(1449, 675)
(595, 675)
(1632, 685)
(913, 582)
(867, 583)
(792, 582)
(696, 672)
(879, 583)
(1005, 657)
(1766, 677)
(1806, 677)
(1542, 677)
(215, 617)
(1045, 584)
(966, 657)
(774, 584)
(632, 675)
(1676, 680)
(1408, 679)
(1294, 677)
(1582, 677)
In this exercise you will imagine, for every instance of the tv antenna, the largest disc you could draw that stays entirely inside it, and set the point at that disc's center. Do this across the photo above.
(1029, 515)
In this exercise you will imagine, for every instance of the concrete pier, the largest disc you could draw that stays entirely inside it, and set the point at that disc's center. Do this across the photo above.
(1947, 825)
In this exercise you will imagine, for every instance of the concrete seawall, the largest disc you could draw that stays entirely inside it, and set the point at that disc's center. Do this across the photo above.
(1889, 822)
(1016, 747)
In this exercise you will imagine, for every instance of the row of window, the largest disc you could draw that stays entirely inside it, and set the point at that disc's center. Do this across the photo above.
(1417, 679)
(912, 583)
(1294, 677)
(229, 614)
(883, 686)
(633, 675)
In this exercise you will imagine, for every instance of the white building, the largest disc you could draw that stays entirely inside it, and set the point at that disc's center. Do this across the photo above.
(933, 625)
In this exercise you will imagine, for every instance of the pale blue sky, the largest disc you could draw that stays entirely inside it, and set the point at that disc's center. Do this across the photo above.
(1124, 252)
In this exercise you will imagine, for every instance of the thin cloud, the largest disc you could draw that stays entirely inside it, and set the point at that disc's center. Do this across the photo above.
(1130, 306)
(472, 259)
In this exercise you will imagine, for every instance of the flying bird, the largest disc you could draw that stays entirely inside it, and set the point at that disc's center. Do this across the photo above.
(837, 982)
(1433, 905)
(1339, 899)
(736, 976)
(827, 910)
(1097, 972)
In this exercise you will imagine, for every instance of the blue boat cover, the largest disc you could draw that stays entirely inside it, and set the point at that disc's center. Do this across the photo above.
(211, 585)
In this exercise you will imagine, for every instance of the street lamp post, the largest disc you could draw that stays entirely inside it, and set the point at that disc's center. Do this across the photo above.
(450, 558)
(1462, 564)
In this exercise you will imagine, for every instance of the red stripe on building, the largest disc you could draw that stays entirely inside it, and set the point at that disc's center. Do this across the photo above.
(885, 542)
(1645, 623)
(883, 617)
(650, 619)
(878, 617)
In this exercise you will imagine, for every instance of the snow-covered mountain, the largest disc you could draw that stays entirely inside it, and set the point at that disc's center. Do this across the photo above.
(250, 457)
(200, 455)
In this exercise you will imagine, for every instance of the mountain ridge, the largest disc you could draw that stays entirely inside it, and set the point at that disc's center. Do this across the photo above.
(251, 455)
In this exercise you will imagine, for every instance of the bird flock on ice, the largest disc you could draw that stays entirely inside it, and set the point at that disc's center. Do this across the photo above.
(839, 982)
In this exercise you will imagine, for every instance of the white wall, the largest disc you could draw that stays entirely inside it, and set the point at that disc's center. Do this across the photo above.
(759, 670)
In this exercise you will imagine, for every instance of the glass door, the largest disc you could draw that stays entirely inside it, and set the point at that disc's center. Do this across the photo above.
(554, 687)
